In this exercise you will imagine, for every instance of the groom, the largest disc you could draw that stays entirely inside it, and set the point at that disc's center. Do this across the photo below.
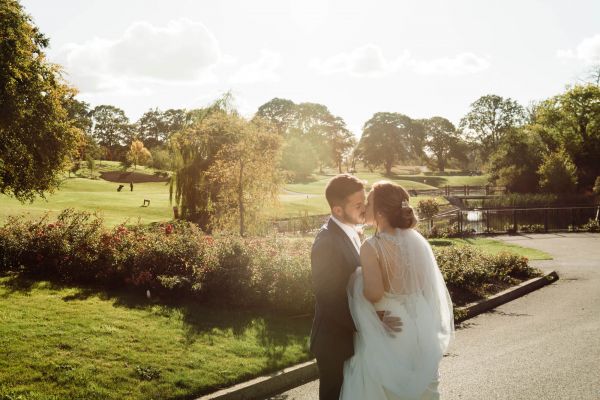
(334, 257)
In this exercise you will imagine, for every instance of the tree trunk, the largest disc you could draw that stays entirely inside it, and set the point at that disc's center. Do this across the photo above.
(388, 167)
(241, 199)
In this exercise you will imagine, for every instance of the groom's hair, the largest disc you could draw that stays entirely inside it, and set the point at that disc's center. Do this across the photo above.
(340, 187)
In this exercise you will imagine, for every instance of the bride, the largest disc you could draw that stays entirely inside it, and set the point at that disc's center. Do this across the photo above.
(399, 274)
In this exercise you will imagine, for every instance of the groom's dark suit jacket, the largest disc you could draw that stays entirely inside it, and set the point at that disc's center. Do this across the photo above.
(333, 259)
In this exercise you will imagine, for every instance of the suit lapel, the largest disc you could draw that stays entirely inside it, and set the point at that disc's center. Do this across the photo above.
(349, 246)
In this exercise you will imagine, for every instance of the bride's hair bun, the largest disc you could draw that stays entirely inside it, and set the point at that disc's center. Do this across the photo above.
(391, 200)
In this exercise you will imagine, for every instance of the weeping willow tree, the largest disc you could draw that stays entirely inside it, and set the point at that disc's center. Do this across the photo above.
(226, 168)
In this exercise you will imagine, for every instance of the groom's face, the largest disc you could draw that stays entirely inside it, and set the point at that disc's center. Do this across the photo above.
(353, 211)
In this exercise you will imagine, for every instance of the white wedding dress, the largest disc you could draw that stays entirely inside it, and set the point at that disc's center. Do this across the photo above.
(403, 366)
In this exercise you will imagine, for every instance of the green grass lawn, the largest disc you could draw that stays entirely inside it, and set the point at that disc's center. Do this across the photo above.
(492, 246)
(68, 343)
(101, 196)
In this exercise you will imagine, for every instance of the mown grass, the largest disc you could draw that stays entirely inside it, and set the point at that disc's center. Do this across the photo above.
(69, 343)
(117, 207)
(101, 196)
(492, 246)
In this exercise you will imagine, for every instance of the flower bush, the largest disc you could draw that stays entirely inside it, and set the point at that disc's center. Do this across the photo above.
(177, 260)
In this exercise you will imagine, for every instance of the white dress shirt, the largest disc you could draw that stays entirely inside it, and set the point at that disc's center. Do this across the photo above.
(349, 230)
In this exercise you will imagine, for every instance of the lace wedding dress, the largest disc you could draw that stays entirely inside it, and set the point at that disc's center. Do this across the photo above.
(403, 366)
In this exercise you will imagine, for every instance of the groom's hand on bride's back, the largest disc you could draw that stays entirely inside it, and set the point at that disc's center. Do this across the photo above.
(392, 324)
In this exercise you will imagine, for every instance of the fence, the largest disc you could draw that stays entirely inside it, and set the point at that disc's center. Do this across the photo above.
(550, 219)
(463, 190)
(304, 223)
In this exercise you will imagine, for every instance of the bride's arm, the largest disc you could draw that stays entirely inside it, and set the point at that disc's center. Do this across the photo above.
(373, 281)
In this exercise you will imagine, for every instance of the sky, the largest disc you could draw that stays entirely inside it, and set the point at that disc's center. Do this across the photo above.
(420, 58)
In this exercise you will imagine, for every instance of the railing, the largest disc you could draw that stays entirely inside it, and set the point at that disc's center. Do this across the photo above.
(303, 223)
(463, 190)
(511, 220)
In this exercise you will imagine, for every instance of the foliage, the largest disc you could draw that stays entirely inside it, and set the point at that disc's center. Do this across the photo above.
(226, 169)
(469, 272)
(280, 112)
(389, 138)
(138, 154)
(247, 177)
(155, 127)
(443, 141)
(175, 260)
(111, 129)
(508, 167)
(161, 159)
(571, 120)
(428, 208)
(331, 141)
(597, 186)
(533, 200)
(298, 157)
(593, 225)
(35, 109)
(557, 173)
(490, 118)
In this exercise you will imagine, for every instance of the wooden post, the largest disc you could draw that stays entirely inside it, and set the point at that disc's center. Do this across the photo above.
(573, 219)
(487, 221)
(546, 220)
(515, 220)
(465, 190)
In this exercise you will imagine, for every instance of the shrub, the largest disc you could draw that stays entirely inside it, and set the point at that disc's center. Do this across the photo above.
(428, 208)
(535, 228)
(177, 260)
(592, 225)
(558, 173)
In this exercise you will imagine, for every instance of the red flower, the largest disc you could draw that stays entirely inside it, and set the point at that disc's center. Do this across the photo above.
(169, 229)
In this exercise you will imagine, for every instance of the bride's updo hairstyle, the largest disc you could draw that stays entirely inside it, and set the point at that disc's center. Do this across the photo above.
(391, 201)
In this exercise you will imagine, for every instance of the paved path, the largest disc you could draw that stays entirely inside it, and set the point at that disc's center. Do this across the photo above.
(545, 345)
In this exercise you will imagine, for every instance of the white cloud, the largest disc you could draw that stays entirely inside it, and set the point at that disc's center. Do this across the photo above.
(262, 70)
(183, 51)
(461, 64)
(369, 61)
(587, 51)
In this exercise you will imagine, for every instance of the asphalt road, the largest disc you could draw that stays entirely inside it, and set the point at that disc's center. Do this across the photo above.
(545, 345)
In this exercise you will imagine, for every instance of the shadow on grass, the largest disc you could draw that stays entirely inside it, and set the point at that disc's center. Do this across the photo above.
(274, 332)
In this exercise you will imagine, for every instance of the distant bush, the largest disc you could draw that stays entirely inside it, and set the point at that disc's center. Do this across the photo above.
(591, 226)
(535, 228)
(428, 208)
(517, 200)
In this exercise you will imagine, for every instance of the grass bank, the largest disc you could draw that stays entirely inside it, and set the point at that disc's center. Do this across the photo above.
(66, 343)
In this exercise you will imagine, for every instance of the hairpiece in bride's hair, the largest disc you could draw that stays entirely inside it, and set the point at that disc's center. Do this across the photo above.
(405, 204)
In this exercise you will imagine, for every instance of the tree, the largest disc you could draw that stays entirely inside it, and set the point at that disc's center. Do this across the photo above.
(557, 173)
(91, 164)
(282, 113)
(298, 157)
(389, 138)
(138, 154)
(246, 174)
(218, 174)
(571, 121)
(516, 161)
(111, 129)
(443, 141)
(38, 138)
(490, 118)
(155, 127)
